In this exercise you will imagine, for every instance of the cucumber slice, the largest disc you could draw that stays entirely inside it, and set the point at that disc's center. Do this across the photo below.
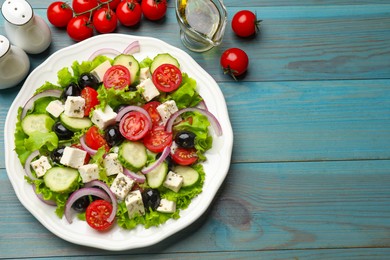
(190, 175)
(163, 58)
(61, 179)
(156, 177)
(132, 155)
(75, 124)
(37, 122)
(131, 64)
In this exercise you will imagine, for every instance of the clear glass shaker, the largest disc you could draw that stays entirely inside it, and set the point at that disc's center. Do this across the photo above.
(25, 29)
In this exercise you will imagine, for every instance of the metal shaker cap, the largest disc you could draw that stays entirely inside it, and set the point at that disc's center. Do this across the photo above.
(4, 45)
(17, 12)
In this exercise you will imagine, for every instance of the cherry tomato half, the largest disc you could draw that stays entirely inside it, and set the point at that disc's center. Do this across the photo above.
(157, 139)
(79, 28)
(91, 99)
(129, 13)
(117, 77)
(167, 77)
(134, 125)
(105, 20)
(59, 14)
(94, 139)
(154, 9)
(151, 108)
(97, 214)
(245, 23)
(184, 156)
(234, 61)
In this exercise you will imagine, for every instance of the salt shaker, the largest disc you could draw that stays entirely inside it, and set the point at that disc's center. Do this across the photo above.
(14, 64)
(25, 29)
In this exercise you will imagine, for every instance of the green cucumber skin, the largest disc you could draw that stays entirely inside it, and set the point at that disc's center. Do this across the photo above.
(131, 64)
(132, 155)
(190, 175)
(163, 58)
(61, 179)
(157, 177)
(37, 122)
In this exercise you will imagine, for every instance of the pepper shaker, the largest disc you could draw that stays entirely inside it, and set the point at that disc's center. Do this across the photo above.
(25, 29)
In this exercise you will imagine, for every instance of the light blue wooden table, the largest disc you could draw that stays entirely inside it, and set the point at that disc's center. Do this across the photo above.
(310, 171)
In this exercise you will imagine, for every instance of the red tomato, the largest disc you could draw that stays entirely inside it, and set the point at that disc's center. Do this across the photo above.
(84, 6)
(59, 14)
(234, 61)
(167, 77)
(91, 99)
(94, 139)
(134, 125)
(113, 4)
(157, 139)
(245, 23)
(79, 28)
(151, 107)
(184, 156)
(97, 214)
(105, 20)
(154, 9)
(129, 12)
(117, 77)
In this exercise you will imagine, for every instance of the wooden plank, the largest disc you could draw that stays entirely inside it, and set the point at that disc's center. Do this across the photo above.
(260, 207)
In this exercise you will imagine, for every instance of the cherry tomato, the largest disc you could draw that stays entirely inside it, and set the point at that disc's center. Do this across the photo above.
(105, 20)
(59, 14)
(113, 4)
(234, 61)
(84, 6)
(129, 13)
(94, 139)
(79, 28)
(97, 214)
(167, 77)
(245, 23)
(184, 156)
(90, 96)
(154, 9)
(157, 139)
(117, 77)
(134, 125)
(151, 107)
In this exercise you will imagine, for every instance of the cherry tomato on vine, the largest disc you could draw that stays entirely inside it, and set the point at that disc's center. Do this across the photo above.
(105, 20)
(245, 23)
(167, 77)
(113, 4)
(81, 6)
(154, 9)
(97, 214)
(59, 14)
(79, 28)
(129, 12)
(234, 61)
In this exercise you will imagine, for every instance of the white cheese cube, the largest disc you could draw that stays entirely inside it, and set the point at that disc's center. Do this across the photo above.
(55, 108)
(100, 70)
(173, 181)
(134, 204)
(166, 206)
(144, 74)
(74, 106)
(166, 109)
(41, 166)
(149, 89)
(112, 164)
(121, 186)
(103, 118)
(73, 157)
(89, 172)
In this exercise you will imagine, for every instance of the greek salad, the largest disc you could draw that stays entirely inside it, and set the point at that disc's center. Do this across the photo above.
(116, 140)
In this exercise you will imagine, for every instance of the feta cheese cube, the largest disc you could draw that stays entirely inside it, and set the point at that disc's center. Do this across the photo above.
(173, 181)
(103, 118)
(112, 164)
(55, 108)
(134, 204)
(166, 206)
(41, 166)
(149, 89)
(166, 109)
(100, 70)
(121, 186)
(74, 106)
(89, 172)
(73, 157)
(144, 74)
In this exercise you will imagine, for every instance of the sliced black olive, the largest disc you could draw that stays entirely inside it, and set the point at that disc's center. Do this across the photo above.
(113, 136)
(88, 80)
(151, 199)
(185, 139)
(71, 90)
(57, 153)
(81, 204)
(61, 131)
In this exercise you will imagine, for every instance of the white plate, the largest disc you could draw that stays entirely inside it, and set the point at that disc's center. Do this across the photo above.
(216, 166)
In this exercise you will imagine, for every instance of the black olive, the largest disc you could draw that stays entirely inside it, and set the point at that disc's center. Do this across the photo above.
(168, 160)
(57, 153)
(71, 90)
(88, 80)
(151, 199)
(81, 204)
(61, 131)
(185, 139)
(119, 108)
(113, 136)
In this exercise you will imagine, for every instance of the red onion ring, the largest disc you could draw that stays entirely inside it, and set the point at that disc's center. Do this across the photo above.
(212, 119)
(102, 185)
(134, 176)
(30, 103)
(40, 196)
(127, 109)
(81, 193)
(88, 149)
(155, 164)
(27, 165)
(132, 48)
(104, 51)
